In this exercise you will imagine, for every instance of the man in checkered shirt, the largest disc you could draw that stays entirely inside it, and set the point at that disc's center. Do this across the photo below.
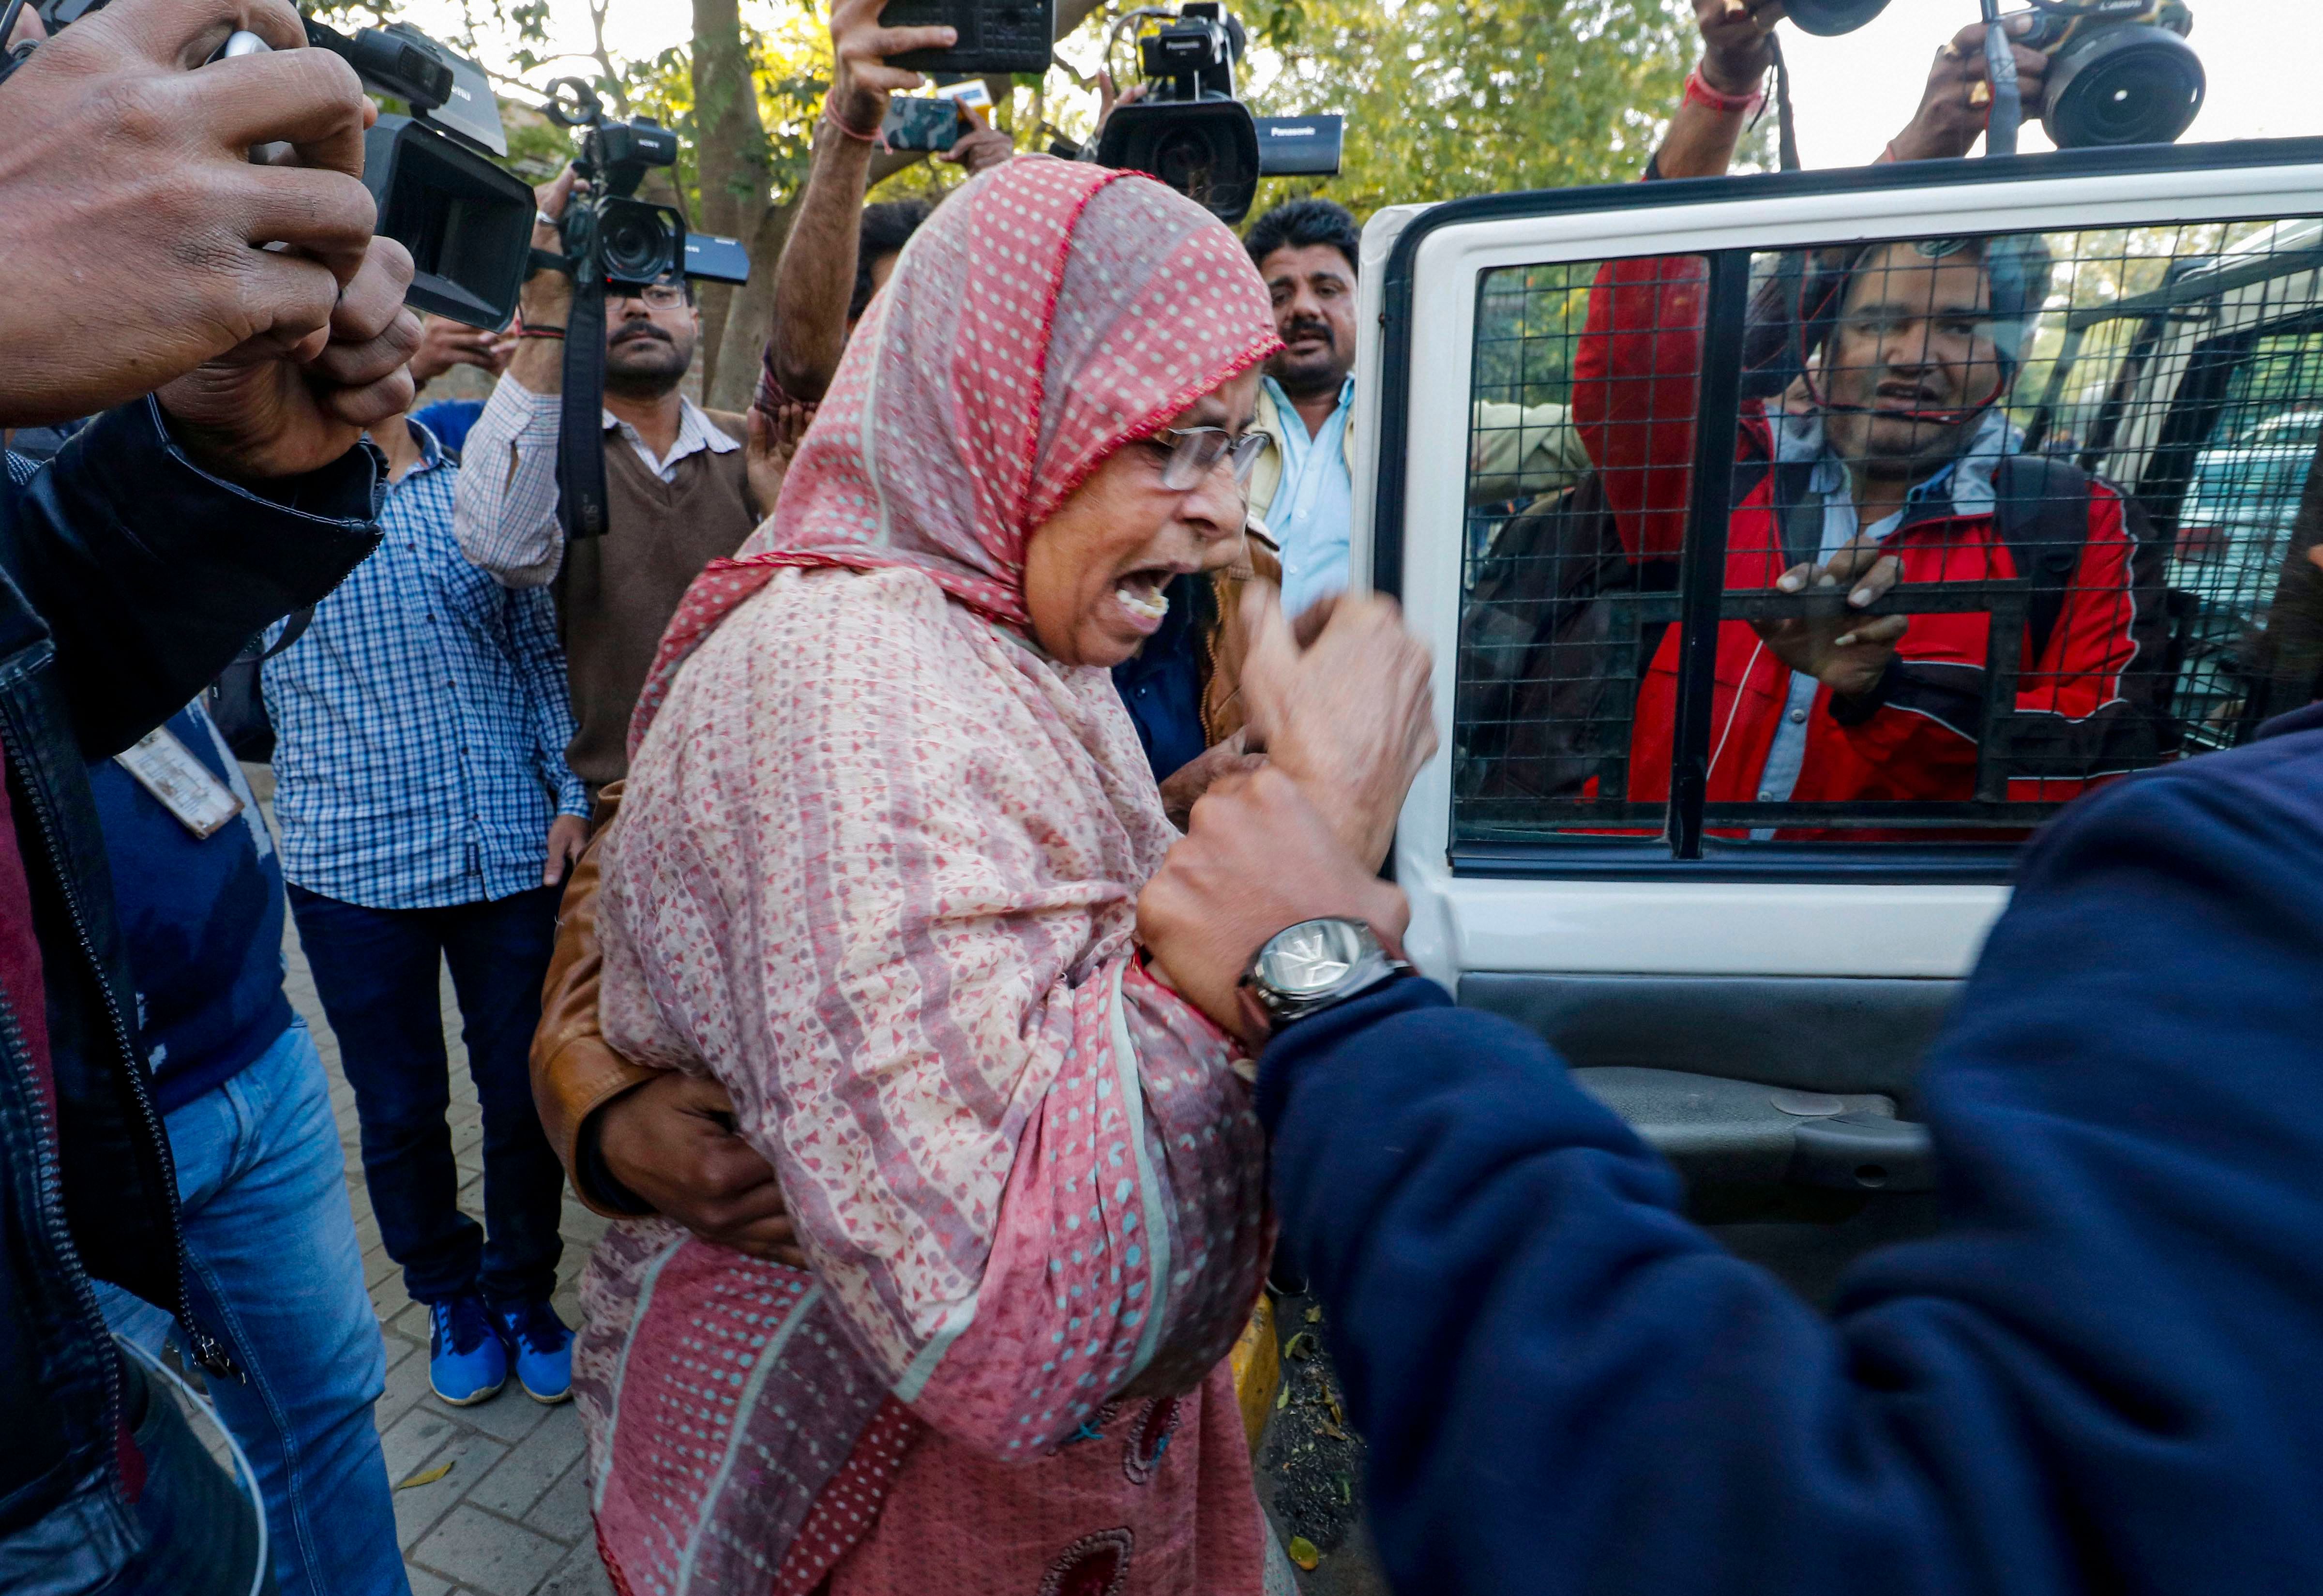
(428, 816)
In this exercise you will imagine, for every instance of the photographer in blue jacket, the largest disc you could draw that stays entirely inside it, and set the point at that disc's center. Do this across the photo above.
(2098, 1375)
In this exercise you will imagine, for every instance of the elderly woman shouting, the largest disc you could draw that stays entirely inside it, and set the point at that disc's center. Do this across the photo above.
(876, 874)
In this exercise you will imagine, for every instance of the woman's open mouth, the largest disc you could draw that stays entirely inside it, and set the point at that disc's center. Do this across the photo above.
(1143, 597)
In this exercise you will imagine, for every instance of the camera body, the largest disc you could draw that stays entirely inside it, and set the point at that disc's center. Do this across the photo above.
(2120, 71)
(1192, 132)
(1196, 51)
(608, 234)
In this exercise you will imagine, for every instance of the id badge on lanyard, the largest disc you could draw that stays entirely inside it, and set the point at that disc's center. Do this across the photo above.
(167, 768)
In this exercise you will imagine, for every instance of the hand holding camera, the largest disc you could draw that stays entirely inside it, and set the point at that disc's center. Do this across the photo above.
(256, 412)
(1736, 47)
(1958, 101)
(125, 166)
(860, 77)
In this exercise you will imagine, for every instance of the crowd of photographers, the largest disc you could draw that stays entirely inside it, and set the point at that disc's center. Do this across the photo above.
(208, 436)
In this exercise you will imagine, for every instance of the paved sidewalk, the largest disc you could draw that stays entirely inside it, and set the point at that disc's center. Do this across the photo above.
(511, 1516)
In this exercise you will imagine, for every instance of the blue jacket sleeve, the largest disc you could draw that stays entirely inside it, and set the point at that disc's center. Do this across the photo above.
(150, 574)
(2099, 1375)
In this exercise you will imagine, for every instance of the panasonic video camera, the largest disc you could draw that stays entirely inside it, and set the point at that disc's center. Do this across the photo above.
(1192, 132)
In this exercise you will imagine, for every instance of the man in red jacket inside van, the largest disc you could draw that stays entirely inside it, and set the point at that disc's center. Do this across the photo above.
(1889, 460)
(1875, 452)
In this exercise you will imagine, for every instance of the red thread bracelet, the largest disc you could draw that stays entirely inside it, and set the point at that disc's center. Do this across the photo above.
(840, 123)
(540, 331)
(1699, 92)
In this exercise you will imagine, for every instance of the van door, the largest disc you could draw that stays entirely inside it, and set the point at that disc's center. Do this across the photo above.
(2075, 397)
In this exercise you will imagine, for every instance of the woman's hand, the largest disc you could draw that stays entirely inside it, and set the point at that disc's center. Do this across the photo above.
(980, 151)
(1350, 717)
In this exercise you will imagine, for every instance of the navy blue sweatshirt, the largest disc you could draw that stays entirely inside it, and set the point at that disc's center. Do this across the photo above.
(2105, 1373)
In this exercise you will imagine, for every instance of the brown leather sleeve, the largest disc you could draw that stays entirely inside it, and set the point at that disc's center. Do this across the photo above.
(573, 1072)
(1226, 646)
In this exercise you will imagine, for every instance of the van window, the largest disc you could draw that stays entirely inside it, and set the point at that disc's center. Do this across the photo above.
(2066, 469)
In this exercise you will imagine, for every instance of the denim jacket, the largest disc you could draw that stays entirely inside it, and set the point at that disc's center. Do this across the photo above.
(128, 578)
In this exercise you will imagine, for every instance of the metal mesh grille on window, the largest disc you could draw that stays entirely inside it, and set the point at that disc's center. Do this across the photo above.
(2011, 517)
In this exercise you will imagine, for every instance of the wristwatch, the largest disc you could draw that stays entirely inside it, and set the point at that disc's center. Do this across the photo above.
(1313, 966)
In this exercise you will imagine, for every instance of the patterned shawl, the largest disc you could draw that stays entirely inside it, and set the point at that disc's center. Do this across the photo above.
(877, 872)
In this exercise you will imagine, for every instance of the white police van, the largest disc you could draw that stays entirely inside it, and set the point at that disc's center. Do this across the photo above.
(1751, 977)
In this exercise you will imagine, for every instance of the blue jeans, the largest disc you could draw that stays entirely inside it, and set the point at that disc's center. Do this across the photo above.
(376, 972)
(272, 1266)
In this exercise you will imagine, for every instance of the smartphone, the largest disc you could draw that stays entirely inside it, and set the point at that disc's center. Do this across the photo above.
(921, 122)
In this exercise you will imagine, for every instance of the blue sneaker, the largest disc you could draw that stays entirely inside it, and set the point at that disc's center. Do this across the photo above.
(466, 1363)
(542, 1347)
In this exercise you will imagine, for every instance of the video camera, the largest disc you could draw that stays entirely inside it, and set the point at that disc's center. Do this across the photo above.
(467, 222)
(1191, 132)
(2120, 71)
(612, 241)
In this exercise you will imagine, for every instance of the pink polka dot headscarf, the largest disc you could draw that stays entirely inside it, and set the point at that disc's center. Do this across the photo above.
(1047, 313)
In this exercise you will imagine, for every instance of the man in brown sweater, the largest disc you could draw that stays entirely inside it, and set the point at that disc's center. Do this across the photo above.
(686, 486)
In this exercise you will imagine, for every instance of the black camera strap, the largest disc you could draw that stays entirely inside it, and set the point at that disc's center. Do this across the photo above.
(581, 424)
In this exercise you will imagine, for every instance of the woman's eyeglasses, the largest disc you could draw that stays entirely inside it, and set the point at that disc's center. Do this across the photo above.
(1194, 452)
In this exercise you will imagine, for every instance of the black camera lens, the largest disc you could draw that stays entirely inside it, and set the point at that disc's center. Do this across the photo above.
(1830, 18)
(2130, 85)
(639, 242)
(1187, 159)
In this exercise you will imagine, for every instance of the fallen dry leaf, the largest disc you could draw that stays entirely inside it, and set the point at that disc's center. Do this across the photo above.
(429, 1476)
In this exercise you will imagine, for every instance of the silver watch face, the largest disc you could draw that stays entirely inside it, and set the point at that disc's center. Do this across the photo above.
(1311, 957)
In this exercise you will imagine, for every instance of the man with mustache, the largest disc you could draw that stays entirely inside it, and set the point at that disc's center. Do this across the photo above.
(1302, 487)
(1874, 450)
(684, 486)
(1901, 469)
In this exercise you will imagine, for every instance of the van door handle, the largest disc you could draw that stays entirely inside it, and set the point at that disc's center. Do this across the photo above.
(1863, 1152)
(1721, 1131)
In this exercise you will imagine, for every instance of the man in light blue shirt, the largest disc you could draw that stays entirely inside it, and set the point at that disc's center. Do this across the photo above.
(1303, 487)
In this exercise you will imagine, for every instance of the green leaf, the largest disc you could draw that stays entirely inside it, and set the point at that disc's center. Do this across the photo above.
(1303, 1552)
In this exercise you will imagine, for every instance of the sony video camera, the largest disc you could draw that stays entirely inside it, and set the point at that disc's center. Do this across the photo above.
(1190, 131)
(2120, 71)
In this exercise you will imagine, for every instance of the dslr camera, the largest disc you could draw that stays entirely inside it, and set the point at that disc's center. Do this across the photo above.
(1191, 132)
(2120, 71)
